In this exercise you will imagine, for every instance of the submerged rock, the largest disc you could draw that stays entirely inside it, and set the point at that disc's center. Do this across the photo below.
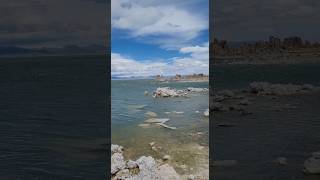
(266, 88)
(144, 125)
(146, 93)
(166, 126)
(151, 114)
(156, 120)
(244, 102)
(226, 93)
(217, 106)
(282, 161)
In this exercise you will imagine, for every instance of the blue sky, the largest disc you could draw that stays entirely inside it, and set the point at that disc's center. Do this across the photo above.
(167, 37)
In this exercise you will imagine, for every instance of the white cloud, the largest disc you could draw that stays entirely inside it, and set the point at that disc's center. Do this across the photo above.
(196, 60)
(166, 24)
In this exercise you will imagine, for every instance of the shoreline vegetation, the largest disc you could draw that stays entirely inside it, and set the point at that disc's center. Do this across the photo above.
(290, 50)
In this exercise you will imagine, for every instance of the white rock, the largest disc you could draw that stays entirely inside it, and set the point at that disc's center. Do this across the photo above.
(206, 113)
(132, 164)
(117, 163)
(166, 157)
(152, 143)
(116, 148)
(191, 177)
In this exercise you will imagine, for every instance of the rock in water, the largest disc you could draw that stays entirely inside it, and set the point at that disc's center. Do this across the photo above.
(312, 165)
(282, 161)
(151, 114)
(226, 93)
(244, 102)
(166, 157)
(146, 93)
(206, 113)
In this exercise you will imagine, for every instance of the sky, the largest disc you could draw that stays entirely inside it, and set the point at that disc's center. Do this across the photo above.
(151, 37)
(52, 23)
(251, 20)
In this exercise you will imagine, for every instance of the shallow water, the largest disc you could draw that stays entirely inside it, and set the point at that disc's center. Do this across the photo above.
(129, 106)
(259, 139)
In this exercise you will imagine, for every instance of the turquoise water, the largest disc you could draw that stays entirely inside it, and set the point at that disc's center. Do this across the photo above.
(129, 105)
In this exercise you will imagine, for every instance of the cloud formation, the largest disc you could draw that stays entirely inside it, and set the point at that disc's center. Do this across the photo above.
(158, 22)
(195, 60)
(52, 23)
(245, 20)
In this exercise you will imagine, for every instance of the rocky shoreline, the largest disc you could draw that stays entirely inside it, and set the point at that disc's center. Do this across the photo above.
(240, 98)
(144, 168)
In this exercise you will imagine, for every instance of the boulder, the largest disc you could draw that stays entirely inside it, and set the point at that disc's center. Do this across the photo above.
(206, 113)
(132, 164)
(312, 164)
(116, 148)
(117, 163)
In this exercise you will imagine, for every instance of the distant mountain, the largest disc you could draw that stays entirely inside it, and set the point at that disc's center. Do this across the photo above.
(66, 50)
(14, 50)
